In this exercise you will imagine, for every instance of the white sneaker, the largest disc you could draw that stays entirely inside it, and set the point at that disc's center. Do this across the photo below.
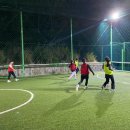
(8, 81)
(77, 87)
(85, 87)
(16, 80)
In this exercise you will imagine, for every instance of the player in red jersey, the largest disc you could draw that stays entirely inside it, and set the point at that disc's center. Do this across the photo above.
(72, 67)
(84, 73)
(11, 71)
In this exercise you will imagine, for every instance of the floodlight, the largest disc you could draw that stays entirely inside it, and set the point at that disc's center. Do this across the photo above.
(115, 15)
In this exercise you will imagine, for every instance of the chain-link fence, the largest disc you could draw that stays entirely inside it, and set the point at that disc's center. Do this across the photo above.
(10, 47)
(30, 38)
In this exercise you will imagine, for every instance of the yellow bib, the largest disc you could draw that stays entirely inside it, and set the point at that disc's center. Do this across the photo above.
(106, 69)
(76, 63)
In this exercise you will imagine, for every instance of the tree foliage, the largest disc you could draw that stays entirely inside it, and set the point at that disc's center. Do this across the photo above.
(91, 57)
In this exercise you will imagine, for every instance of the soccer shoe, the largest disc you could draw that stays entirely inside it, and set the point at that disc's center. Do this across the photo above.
(85, 87)
(77, 87)
(16, 80)
(8, 81)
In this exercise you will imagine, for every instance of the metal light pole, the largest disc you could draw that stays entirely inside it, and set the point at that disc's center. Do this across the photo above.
(111, 40)
(22, 42)
(71, 38)
(114, 16)
(124, 48)
(123, 56)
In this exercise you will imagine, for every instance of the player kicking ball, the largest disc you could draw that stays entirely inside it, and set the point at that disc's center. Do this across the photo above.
(11, 71)
(85, 68)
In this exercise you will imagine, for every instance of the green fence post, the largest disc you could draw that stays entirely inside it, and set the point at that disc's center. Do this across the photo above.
(124, 54)
(122, 59)
(22, 42)
(71, 38)
(111, 40)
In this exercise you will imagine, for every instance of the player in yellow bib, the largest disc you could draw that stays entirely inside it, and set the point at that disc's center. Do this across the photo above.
(77, 64)
(107, 67)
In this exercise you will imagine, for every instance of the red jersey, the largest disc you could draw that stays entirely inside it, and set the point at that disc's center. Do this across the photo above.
(84, 69)
(72, 67)
(10, 68)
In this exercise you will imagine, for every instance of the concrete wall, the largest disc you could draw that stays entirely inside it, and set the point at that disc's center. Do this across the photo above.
(36, 71)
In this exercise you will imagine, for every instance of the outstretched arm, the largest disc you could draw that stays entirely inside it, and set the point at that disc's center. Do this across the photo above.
(90, 69)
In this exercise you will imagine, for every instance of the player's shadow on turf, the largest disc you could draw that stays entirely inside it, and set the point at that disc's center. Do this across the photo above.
(61, 82)
(90, 87)
(68, 90)
(103, 102)
(68, 103)
(93, 87)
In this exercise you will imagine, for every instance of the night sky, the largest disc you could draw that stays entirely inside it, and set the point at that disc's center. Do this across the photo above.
(88, 9)
(48, 21)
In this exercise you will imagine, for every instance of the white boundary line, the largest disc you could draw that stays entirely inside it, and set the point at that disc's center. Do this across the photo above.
(116, 81)
(30, 99)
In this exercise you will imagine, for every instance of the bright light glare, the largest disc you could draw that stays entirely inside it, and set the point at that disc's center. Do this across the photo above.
(105, 20)
(115, 16)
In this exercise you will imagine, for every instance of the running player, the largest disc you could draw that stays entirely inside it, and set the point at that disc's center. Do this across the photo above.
(84, 73)
(107, 67)
(72, 67)
(77, 64)
(11, 71)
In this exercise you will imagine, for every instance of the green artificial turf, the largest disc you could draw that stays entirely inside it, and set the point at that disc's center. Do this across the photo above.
(57, 106)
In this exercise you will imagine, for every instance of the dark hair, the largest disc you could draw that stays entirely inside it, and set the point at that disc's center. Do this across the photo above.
(83, 60)
(71, 61)
(107, 59)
